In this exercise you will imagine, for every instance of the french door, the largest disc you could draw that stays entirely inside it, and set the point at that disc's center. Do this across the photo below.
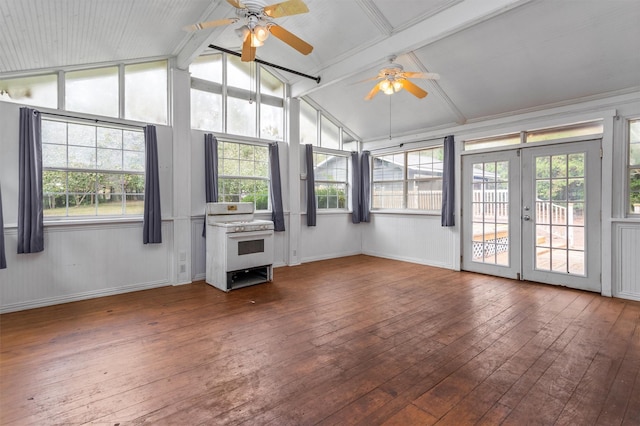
(534, 214)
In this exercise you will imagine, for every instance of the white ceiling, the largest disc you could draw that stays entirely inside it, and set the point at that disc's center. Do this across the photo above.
(495, 57)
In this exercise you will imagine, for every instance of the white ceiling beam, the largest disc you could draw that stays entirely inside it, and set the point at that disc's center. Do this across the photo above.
(197, 41)
(456, 18)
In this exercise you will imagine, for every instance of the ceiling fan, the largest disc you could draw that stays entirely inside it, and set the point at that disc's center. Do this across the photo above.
(258, 19)
(393, 79)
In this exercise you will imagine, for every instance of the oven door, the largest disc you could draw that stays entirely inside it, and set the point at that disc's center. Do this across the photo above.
(249, 249)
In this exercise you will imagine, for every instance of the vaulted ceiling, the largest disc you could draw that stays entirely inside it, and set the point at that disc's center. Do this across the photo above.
(495, 57)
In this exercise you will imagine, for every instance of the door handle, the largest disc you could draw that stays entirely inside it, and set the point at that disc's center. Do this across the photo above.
(526, 217)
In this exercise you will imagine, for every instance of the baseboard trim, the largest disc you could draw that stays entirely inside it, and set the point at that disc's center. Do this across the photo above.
(14, 307)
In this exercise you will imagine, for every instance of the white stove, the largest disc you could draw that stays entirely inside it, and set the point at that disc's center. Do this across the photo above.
(239, 247)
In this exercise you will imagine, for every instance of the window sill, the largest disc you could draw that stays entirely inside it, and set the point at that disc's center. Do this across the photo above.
(406, 212)
(90, 221)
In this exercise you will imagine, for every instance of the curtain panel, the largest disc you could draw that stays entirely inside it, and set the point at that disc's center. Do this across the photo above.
(311, 187)
(3, 257)
(152, 222)
(448, 183)
(30, 208)
(277, 212)
(210, 172)
(361, 187)
(365, 186)
(356, 187)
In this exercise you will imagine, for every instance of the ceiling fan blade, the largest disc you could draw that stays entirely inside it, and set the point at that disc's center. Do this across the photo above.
(378, 77)
(248, 51)
(286, 8)
(237, 4)
(413, 89)
(373, 92)
(209, 24)
(429, 75)
(292, 40)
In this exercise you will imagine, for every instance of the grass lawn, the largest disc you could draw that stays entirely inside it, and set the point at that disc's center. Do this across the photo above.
(113, 208)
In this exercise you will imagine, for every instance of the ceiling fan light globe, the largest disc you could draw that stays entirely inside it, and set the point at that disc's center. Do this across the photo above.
(385, 85)
(261, 33)
(389, 90)
(397, 86)
(255, 41)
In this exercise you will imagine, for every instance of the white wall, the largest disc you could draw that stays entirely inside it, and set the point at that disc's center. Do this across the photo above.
(98, 258)
(80, 260)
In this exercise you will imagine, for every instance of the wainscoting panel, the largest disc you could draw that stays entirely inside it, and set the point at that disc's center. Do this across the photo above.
(82, 262)
(627, 284)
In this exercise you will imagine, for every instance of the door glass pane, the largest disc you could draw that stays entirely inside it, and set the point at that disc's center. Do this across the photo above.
(559, 214)
(490, 205)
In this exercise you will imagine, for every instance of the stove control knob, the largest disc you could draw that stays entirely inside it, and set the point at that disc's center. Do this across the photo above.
(242, 228)
(237, 229)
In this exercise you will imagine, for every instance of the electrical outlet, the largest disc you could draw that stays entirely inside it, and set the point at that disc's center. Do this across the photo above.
(183, 269)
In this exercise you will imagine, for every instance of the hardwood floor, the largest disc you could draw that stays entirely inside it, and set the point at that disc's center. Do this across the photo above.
(356, 340)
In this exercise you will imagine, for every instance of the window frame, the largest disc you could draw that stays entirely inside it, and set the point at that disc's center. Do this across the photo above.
(406, 181)
(96, 192)
(630, 206)
(222, 177)
(333, 182)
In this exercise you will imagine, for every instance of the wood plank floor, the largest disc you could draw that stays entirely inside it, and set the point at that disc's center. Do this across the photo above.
(350, 341)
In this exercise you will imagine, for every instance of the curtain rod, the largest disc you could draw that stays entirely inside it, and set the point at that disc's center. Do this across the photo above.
(405, 143)
(95, 120)
(260, 61)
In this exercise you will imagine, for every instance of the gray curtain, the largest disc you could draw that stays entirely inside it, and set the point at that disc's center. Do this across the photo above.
(3, 258)
(30, 215)
(361, 188)
(152, 223)
(365, 186)
(356, 195)
(311, 186)
(210, 172)
(277, 213)
(448, 182)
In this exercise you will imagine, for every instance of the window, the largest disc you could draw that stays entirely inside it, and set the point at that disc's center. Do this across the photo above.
(308, 124)
(408, 180)
(634, 166)
(250, 90)
(91, 170)
(40, 91)
(145, 92)
(243, 173)
(331, 180)
(93, 91)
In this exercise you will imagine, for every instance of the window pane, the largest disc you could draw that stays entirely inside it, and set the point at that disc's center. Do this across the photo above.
(270, 84)
(81, 135)
(239, 73)
(271, 122)
(134, 194)
(207, 67)
(82, 157)
(54, 155)
(241, 116)
(145, 94)
(93, 91)
(206, 110)
(349, 143)
(388, 195)
(37, 91)
(109, 159)
(244, 174)
(109, 138)
(132, 140)
(330, 136)
(110, 194)
(308, 124)
(581, 129)
(54, 188)
(133, 161)
(494, 142)
(82, 193)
